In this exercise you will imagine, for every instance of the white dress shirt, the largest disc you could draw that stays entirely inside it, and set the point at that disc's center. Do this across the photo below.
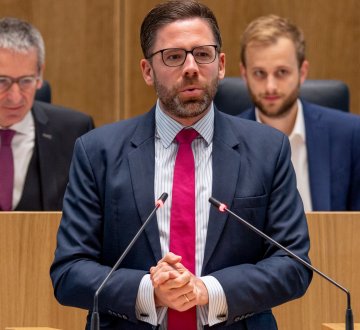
(299, 156)
(22, 146)
(165, 154)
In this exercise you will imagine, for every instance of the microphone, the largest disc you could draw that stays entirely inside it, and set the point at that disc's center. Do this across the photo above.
(349, 322)
(95, 318)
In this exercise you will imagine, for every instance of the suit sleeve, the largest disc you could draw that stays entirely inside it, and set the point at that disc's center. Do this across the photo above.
(78, 268)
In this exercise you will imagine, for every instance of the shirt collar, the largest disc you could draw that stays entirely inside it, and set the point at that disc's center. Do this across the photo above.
(299, 127)
(25, 126)
(167, 128)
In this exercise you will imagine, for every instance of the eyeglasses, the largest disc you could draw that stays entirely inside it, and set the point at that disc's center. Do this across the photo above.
(177, 56)
(25, 82)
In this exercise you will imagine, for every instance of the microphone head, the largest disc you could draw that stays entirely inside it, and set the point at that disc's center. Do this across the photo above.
(160, 202)
(222, 207)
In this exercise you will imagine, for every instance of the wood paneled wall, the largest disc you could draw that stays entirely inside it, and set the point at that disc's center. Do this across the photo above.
(82, 51)
(93, 49)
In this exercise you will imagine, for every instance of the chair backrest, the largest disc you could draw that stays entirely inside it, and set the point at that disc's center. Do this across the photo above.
(44, 93)
(233, 98)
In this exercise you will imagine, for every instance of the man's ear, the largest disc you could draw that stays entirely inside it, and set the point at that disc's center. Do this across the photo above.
(243, 71)
(221, 74)
(304, 69)
(41, 74)
(147, 72)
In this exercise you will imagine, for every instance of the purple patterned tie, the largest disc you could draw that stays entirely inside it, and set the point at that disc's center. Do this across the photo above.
(182, 220)
(6, 170)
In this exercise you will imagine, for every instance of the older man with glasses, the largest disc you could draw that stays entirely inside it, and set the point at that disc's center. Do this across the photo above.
(36, 138)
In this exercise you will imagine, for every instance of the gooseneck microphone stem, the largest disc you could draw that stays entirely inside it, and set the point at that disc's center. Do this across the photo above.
(95, 318)
(349, 316)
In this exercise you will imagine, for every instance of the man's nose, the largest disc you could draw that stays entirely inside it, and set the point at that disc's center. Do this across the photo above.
(271, 84)
(190, 67)
(14, 93)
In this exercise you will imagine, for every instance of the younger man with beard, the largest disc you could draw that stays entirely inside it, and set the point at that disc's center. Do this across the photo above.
(325, 143)
(217, 271)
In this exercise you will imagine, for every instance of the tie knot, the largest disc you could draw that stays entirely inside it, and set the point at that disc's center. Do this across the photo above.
(6, 136)
(186, 136)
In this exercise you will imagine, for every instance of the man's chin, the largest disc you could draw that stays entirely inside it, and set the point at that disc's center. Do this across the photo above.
(11, 119)
(272, 111)
(193, 108)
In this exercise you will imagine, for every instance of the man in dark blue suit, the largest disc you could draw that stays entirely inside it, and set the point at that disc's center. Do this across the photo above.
(119, 169)
(325, 143)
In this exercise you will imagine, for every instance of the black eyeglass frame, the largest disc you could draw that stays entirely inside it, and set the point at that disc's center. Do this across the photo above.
(18, 80)
(216, 47)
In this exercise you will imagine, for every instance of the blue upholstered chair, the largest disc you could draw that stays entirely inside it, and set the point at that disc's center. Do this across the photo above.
(44, 93)
(233, 98)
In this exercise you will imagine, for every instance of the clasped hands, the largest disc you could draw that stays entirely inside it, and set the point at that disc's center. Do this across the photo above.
(175, 286)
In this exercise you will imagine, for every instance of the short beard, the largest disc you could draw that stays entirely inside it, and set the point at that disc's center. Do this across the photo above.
(185, 109)
(284, 108)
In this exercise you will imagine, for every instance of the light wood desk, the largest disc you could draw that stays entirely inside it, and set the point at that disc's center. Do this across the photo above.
(338, 326)
(37, 328)
(27, 245)
(335, 250)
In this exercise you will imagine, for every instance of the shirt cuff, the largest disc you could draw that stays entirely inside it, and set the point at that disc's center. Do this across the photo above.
(217, 310)
(145, 303)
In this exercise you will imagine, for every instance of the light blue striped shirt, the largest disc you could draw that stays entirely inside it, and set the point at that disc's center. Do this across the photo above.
(165, 154)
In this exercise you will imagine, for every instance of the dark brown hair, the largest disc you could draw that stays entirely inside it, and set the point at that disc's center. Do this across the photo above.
(169, 12)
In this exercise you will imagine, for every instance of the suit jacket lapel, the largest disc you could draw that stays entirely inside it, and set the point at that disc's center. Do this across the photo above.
(142, 169)
(45, 143)
(318, 150)
(226, 163)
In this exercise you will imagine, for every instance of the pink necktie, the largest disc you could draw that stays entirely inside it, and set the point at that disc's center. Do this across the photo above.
(6, 170)
(182, 220)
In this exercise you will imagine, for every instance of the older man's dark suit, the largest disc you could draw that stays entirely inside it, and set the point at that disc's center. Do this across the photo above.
(111, 192)
(56, 130)
(333, 146)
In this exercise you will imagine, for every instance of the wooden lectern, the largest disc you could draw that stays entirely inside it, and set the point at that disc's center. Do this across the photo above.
(27, 328)
(338, 326)
(27, 245)
(335, 251)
